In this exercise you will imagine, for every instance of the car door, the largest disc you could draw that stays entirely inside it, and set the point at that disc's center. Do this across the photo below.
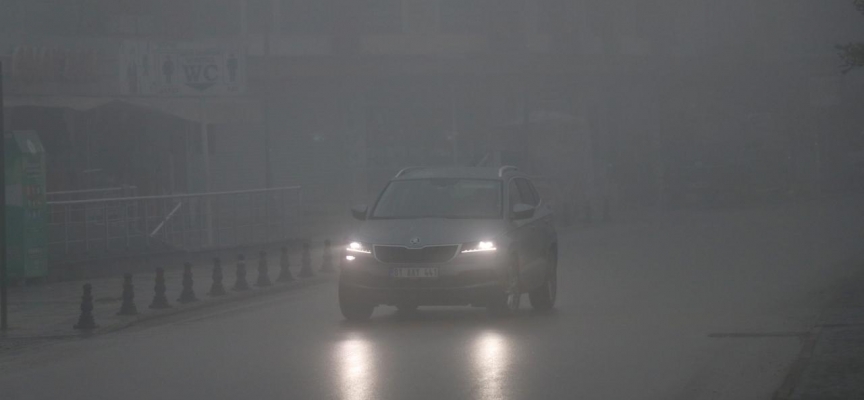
(547, 237)
(533, 233)
(520, 234)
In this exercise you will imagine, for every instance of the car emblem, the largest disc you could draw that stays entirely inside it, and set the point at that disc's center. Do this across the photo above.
(415, 241)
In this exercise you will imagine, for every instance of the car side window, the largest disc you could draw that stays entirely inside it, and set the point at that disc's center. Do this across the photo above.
(514, 195)
(527, 192)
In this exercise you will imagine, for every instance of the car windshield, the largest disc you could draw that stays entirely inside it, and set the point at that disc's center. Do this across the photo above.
(440, 198)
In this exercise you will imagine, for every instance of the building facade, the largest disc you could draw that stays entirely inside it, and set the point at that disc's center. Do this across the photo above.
(612, 101)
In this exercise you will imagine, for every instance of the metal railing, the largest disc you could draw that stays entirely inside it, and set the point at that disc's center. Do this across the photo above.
(89, 194)
(101, 228)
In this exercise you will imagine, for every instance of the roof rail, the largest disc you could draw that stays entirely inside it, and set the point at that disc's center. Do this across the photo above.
(405, 170)
(506, 168)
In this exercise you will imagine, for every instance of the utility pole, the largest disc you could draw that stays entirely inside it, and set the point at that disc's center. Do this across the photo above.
(454, 135)
(205, 160)
(268, 172)
(4, 312)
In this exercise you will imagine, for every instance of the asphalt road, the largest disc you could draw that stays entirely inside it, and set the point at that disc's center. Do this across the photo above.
(703, 307)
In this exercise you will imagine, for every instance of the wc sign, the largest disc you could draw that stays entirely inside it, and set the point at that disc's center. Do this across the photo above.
(182, 69)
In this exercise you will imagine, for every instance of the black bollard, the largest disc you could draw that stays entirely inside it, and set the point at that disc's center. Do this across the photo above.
(263, 271)
(188, 293)
(240, 284)
(86, 321)
(128, 306)
(217, 289)
(284, 266)
(306, 262)
(327, 258)
(159, 299)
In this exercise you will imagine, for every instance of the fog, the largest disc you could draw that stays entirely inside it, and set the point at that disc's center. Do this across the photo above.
(643, 99)
(719, 142)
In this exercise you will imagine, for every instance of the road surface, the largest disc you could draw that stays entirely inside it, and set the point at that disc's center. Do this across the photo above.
(692, 306)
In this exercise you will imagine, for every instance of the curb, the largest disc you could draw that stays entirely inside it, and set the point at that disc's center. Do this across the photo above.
(217, 301)
(796, 370)
(177, 309)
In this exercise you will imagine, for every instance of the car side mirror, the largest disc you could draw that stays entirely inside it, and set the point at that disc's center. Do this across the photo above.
(359, 212)
(522, 211)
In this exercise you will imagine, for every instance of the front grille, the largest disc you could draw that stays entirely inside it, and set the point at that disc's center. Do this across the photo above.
(403, 255)
(445, 280)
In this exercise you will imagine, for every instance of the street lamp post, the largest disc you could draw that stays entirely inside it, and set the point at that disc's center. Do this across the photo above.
(454, 135)
(4, 320)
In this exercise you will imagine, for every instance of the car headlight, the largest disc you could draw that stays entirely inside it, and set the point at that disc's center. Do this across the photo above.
(479, 247)
(357, 247)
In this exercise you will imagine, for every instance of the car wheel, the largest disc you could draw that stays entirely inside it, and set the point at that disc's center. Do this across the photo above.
(543, 297)
(508, 301)
(353, 307)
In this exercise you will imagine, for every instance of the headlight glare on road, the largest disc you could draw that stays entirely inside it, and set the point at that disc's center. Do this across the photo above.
(357, 247)
(350, 258)
(479, 247)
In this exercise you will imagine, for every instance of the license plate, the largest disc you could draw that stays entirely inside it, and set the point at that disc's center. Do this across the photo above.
(414, 273)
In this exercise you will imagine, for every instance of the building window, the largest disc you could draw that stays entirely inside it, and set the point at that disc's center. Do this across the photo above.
(50, 17)
(8, 16)
(555, 17)
(464, 16)
(96, 17)
(308, 17)
(258, 16)
(160, 18)
(506, 18)
(218, 17)
(380, 16)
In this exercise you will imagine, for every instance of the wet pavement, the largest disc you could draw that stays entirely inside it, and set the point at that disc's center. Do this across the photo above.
(833, 366)
(688, 307)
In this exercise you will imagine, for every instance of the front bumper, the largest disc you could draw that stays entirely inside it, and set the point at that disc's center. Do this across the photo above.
(465, 280)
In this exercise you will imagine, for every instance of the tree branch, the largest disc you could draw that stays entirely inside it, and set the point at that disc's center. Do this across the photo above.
(853, 53)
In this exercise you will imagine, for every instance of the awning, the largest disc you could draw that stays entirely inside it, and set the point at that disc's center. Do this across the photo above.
(77, 103)
(544, 117)
(213, 110)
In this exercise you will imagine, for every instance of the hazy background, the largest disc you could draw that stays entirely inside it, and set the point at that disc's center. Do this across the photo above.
(646, 113)
(624, 107)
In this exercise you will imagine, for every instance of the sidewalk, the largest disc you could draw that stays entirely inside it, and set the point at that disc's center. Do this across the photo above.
(49, 311)
(832, 364)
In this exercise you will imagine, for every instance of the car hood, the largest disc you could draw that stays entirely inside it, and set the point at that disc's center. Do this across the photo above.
(429, 231)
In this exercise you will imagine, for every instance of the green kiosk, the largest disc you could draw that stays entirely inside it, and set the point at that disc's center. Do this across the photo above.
(26, 213)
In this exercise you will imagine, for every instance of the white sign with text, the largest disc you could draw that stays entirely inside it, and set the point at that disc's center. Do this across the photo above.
(182, 69)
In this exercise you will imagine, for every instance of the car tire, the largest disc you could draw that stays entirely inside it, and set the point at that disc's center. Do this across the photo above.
(353, 307)
(543, 298)
(510, 297)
